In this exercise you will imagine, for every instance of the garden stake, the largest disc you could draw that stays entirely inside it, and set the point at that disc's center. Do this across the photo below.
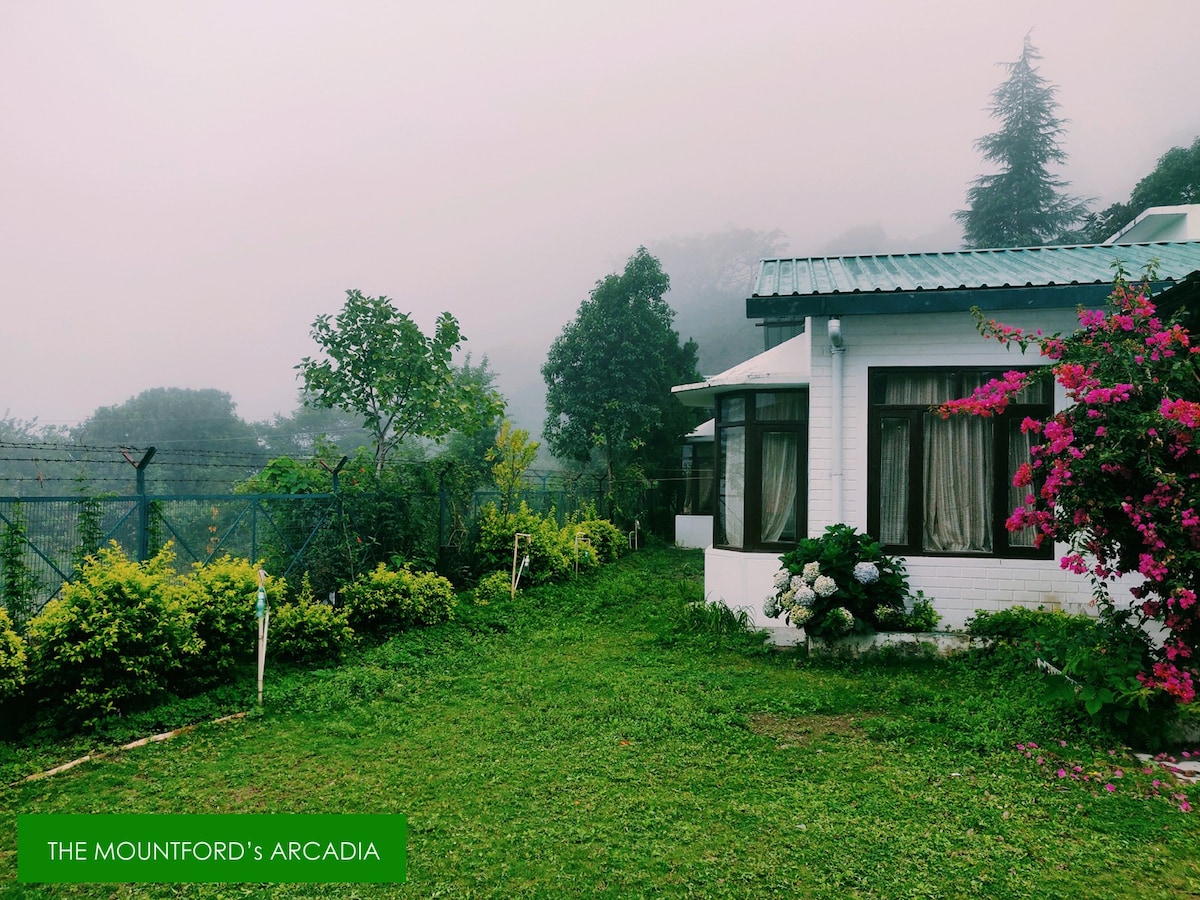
(580, 536)
(516, 573)
(263, 614)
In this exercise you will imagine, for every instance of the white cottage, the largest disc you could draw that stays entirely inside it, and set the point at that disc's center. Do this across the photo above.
(832, 424)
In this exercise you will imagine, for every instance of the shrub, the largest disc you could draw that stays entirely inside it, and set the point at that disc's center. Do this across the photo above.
(606, 539)
(919, 617)
(1093, 663)
(12, 659)
(221, 598)
(550, 555)
(837, 583)
(113, 640)
(305, 631)
(388, 600)
(494, 587)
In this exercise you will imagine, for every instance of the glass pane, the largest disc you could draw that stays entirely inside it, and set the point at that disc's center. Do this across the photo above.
(1018, 452)
(958, 476)
(731, 500)
(732, 409)
(919, 388)
(771, 406)
(779, 486)
(894, 482)
(703, 472)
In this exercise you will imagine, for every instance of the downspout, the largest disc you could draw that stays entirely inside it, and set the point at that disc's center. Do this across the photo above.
(837, 349)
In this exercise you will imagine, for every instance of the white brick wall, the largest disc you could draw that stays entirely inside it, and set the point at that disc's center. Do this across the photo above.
(958, 586)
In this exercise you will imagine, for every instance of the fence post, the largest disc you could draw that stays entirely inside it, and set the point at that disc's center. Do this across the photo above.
(143, 538)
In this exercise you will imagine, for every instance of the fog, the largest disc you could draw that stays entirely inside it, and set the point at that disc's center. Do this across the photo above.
(185, 187)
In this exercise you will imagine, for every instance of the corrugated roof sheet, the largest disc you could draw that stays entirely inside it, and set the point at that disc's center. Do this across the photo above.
(972, 269)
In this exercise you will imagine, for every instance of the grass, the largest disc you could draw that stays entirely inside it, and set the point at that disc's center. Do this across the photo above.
(605, 738)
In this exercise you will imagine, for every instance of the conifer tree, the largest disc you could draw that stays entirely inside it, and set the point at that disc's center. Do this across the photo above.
(1021, 205)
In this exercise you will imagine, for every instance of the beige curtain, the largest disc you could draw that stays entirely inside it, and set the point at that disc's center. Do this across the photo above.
(778, 486)
(957, 506)
(733, 485)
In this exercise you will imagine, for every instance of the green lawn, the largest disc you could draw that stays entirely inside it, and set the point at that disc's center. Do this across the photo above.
(577, 745)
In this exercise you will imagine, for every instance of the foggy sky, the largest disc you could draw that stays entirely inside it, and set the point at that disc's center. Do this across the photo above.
(185, 187)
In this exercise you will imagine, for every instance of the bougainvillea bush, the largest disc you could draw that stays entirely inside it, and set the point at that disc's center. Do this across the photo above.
(838, 583)
(1116, 475)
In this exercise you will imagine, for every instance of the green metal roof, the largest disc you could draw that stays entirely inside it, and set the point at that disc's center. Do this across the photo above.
(1033, 277)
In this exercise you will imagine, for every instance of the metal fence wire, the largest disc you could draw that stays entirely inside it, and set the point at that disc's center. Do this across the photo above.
(292, 534)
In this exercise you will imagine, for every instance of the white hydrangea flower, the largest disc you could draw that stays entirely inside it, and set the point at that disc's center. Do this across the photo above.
(782, 577)
(771, 607)
(825, 586)
(797, 581)
(800, 616)
(811, 571)
(866, 572)
(804, 595)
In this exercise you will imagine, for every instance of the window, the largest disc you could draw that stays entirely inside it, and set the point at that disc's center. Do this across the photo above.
(698, 478)
(776, 331)
(944, 486)
(762, 469)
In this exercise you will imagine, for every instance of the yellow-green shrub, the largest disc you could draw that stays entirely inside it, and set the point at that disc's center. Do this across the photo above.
(221, 598)
(550, 553)
(12, 659)
(385, 600)
(113, 640)
(607, 540)
(305, 631)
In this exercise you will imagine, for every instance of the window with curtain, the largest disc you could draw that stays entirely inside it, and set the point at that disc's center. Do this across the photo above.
(762, 462)
(698, 477)
(944, 486)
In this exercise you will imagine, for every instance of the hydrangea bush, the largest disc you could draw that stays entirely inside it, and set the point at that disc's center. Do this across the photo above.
(838, 583)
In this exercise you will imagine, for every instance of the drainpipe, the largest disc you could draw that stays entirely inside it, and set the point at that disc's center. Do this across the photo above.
(837, 349)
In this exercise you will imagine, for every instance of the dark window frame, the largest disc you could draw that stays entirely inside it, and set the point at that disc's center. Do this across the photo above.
(877, 411)
(752, 541)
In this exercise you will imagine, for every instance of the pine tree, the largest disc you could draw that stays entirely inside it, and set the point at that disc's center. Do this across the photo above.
(1022, 205)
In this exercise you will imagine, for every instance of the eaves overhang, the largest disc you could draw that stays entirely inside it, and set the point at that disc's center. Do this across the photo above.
(938, 300)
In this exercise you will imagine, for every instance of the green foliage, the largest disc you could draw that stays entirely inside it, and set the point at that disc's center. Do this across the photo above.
(1022, 205)
(919, 616)
(609, 376)
(179, 421)
(113, 641)
(1091, 664)
(89, 530)
(285, 475)
(221, 598)
(551, 556)
(18, 583)
(511, 458)
(377, 363)
(494, 587)
(388, 600)
(12, 659)
(838, 583)
(1175, 180)
(306, 631)
(607, 541)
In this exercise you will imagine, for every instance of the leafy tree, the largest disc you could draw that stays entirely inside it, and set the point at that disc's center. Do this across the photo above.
(313, 431)
(200, 442)
(378, 364)
(609, 376)
(1175, 180)
(1116, 475)
(511, 457)
(1022, 205)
